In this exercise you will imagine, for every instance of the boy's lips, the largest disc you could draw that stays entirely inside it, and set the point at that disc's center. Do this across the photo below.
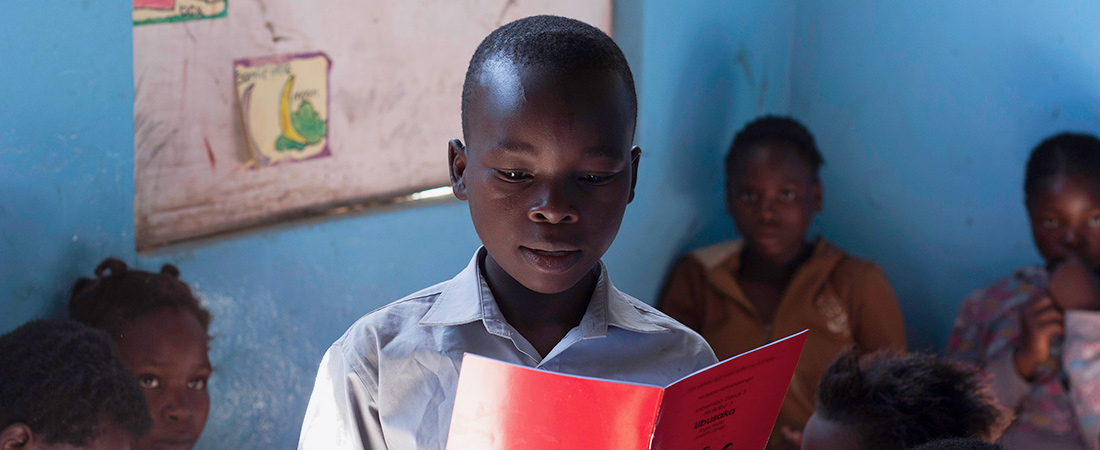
(551, 258)
(767, 237)
(174, 444)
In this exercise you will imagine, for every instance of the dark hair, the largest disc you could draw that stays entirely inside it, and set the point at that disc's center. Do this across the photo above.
(1061, 154)
(958, 444)
(897, 401)
(774, 129)
(557, 41)
(62, 378)
(118, 294)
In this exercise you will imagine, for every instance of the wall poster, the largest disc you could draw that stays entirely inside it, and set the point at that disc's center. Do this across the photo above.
(266, 111)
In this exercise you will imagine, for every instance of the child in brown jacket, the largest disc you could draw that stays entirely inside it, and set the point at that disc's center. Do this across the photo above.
(774, 282)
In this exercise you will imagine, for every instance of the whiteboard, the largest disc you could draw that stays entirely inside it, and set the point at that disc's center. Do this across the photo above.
(394, 90)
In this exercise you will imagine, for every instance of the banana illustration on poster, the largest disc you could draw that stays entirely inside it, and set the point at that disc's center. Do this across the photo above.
(284, 107)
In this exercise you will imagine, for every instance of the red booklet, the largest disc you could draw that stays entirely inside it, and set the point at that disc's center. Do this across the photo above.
(731, 405)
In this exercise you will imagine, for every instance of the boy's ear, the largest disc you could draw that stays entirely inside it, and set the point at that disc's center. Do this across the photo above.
(16, 436)
(635, 156)
(818, 195)
(456, 154)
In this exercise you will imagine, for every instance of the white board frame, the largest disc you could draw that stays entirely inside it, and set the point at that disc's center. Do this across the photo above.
(395, 88)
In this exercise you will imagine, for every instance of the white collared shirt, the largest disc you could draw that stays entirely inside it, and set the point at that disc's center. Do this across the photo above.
(389, 382)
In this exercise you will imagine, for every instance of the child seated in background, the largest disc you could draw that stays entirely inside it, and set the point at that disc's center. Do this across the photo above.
(548, 167)
(891, 401)
(161, 332)
(63, 386)
(1014, 328)
(773, 282)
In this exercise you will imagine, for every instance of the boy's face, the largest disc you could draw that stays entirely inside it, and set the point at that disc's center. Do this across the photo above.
(773, 196)
(1065, 219)
(167, 350)
(548, 169)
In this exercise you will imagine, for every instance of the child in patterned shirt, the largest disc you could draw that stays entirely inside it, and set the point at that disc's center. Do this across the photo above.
(1036, 332)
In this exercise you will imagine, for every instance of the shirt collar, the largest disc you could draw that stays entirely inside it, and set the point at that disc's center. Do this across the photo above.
(467, 298)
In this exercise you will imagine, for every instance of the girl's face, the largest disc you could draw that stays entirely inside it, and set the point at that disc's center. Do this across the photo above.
(167, 351)
(772, 197)
(1065, 219)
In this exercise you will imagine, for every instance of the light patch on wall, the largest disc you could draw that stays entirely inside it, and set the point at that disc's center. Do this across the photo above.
(263, 372)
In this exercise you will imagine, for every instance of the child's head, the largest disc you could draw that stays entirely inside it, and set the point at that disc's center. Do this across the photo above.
(161, 332)
(1062, 194)
(886, 401)
(63, 385)
(548, 113)
(772, 186)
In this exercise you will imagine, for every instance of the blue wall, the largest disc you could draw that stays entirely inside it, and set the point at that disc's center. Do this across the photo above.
(926, 112)
(706, 68)
(281, 296)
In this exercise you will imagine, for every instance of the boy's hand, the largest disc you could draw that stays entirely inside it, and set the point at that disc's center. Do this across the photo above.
(1073, 285)
(1040, 321)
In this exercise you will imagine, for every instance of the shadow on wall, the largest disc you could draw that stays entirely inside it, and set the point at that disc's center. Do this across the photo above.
(700, 133)
(930, 186)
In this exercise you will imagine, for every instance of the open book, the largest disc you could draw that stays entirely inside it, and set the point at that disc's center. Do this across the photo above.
(731, 405)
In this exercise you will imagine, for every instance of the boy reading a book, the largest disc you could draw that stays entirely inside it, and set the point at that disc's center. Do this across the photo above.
(547, 167)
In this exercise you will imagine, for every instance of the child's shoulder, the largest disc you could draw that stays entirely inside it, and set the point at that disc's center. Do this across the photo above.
(1022, 281)
(653, 315)
(1006, 293)
(713, 255)
(387, 322)
(649, 320)
(848, 265)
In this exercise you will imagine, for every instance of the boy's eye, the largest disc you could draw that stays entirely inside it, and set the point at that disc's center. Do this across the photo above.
(149, 381)
(787, 196)
(747, 196)
(595, 179)
(1049, 223)
(1094, 221)
(512, 175)
(198, 384)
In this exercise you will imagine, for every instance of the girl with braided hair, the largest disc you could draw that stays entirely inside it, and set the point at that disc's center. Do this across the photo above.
(161, 332)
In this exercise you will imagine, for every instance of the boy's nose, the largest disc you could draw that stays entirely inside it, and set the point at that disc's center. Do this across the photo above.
(179, 407)
(767, 209)
(553, 205)
(1071, 239)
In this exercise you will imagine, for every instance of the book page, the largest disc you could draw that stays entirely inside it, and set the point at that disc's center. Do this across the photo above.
(731, 405)
(505, 406)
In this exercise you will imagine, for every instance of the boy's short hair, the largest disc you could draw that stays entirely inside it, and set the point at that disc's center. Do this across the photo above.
(558, 41)
(1061, 154)
(118, 293)
(62, 378)
(897, 401)
(958, 444)
(774, 129)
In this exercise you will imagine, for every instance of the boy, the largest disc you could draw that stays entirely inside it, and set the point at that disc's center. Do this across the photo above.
(774, 281)
(64, 386)
(885, 401)
(548, 111)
